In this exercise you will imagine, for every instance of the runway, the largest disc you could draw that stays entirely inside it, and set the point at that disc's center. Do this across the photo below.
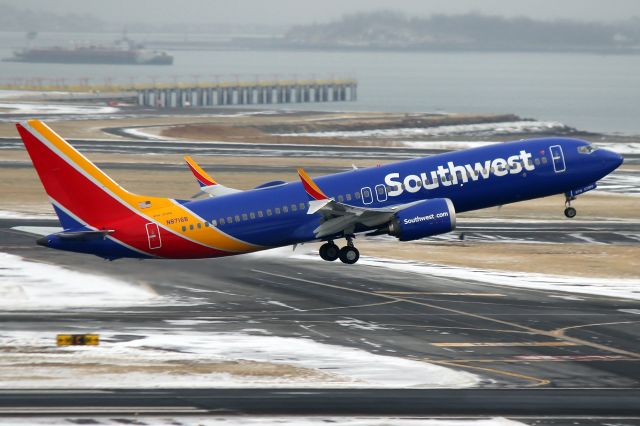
(512, 337)
(539, 403)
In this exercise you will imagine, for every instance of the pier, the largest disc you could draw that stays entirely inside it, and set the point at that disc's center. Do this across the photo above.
(210, 94)
(247, 93)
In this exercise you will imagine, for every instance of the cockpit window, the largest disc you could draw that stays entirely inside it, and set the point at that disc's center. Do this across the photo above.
(586, 149)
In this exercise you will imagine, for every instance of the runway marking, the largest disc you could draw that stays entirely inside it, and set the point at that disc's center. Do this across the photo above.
(502, 344)
(544, 358)
(389, 302)
(537, 381)
(553, 334)
(426, 293)
(630, 311)
(560, 332)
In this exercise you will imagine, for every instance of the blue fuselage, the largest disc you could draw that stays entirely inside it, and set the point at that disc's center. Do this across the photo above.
(472, 179)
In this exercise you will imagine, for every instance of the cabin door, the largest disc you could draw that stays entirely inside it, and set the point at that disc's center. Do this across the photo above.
(558, 158)
(153, 235)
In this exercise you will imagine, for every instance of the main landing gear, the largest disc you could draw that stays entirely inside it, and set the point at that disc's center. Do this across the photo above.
(569, 211)
(348, 254)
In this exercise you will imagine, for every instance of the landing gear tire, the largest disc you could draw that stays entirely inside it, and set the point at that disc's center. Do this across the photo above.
(349, 255)
(329, 252)
(570, 212)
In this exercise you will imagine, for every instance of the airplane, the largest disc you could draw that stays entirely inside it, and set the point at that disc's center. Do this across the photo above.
(410, 200)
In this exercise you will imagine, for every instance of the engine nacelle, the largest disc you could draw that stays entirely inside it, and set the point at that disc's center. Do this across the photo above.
(430, 217)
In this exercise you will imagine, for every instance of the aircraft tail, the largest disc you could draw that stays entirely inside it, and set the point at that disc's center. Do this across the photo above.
(83, 195)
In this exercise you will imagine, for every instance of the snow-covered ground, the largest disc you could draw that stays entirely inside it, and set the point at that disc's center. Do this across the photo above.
(446, 145)
(190, 359)
(7, 214)
(483, 129)
(26, 285)
(175, 354)
(618, 287)
(621, 147)
(40, 109)
(259, 420)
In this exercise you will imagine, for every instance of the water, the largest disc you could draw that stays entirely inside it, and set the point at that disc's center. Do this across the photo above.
(599, 93)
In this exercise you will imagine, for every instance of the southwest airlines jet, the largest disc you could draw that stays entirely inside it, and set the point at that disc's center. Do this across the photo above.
(410, 200)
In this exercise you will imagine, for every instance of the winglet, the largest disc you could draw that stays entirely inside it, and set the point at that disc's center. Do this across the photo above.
(201, 176)
(310, 186)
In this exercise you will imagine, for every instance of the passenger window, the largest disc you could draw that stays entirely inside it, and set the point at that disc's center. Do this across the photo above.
(237, 218)
(268, 212)
(277, 210)
(537, 161)
(357, 195)
(260, 213)
(294, 208)
(380, 189)
(302, 206)
(214, 222)
(199, 225)
(229, 219)
(544, 160)
(184, 228)
(285, 209)
(252, 215)
(190, 227)
(366, 193)
(222, 221)
(244, 216)
(348, 197)
(206, 224)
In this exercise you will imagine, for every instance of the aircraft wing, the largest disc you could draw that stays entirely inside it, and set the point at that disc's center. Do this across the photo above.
(341, 217)
(207, 184)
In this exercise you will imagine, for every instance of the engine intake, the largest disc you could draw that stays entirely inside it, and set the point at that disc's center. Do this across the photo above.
(430, 217)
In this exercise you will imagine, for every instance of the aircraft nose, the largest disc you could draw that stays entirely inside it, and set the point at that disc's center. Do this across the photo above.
(611, 160)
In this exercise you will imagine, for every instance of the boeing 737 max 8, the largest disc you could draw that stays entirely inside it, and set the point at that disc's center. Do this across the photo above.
(410, 200)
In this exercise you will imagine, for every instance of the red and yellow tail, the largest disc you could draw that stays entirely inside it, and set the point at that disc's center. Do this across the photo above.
(85, 197)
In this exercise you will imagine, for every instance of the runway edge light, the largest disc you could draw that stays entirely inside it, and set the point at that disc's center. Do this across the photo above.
(77, 340)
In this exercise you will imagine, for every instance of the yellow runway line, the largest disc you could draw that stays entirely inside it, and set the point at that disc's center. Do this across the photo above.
(502, 344)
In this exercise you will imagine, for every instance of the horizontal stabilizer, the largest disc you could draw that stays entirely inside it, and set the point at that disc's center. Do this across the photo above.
(84, 235)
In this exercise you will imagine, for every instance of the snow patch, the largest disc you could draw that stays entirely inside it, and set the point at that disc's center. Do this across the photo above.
(481, 129)
(620, 147)
(37, 109)
(140, 133)
(126, 364)
(613, 287)
(26, 285)
(6, 214)
(446, 145)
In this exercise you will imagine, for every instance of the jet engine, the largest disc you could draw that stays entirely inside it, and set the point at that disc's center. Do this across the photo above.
(427, 218)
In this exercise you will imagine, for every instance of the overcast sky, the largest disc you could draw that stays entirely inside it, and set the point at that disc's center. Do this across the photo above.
(287, 12)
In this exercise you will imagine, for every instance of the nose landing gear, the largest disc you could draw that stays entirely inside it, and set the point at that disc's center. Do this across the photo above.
(569, 211)
(348, 254)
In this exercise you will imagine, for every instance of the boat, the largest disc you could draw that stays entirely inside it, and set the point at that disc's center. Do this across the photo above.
(122, 51)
